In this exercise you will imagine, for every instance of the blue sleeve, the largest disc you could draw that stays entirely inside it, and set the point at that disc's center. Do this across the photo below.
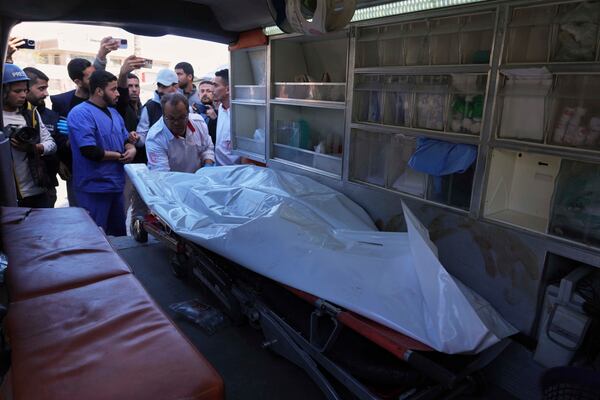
(82, 128)
(56, 105)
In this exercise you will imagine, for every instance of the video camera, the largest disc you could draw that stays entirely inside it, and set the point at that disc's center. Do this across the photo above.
(201, 108)
(23, 134)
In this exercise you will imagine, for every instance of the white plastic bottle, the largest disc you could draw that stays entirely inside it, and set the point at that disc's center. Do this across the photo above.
(593, 137)
(573, 135)
(561, 125)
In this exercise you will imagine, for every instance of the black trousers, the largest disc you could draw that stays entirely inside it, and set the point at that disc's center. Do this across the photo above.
(37, 201)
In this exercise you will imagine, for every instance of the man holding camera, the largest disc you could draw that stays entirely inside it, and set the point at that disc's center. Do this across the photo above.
(29, 139)
(38, 92)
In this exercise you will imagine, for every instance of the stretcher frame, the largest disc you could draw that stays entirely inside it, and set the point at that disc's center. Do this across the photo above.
(240, 303)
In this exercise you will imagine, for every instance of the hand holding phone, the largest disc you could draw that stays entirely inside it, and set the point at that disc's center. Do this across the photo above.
(27, 44)
(210, 111)
(199, 108)
(122, 43)
(147, 63)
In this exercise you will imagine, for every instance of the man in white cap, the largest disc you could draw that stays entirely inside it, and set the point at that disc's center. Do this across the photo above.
(166, 82)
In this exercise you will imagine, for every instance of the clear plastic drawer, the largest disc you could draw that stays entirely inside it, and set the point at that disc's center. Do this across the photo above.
(250, 92)
(311, 91)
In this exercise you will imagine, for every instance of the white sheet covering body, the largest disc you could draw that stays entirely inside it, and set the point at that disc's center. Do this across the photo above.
(304, 234)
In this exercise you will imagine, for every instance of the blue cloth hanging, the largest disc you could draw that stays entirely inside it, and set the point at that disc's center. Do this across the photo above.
(439, 158)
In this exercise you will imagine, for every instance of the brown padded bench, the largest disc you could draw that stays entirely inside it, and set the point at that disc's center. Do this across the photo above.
(81, 326)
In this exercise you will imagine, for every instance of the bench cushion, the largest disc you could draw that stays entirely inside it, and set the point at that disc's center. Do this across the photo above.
(50, 250)
(106, 340)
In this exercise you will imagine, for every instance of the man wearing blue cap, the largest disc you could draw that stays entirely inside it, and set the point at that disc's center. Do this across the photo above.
(29, 139)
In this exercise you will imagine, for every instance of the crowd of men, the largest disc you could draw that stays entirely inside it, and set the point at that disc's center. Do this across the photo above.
(92, 131)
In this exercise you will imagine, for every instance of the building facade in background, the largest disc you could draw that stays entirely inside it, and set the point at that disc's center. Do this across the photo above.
(52, 56)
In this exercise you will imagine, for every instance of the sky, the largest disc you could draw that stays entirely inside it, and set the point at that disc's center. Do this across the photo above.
(206, 57)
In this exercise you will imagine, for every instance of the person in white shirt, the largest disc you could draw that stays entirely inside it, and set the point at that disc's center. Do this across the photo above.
(223, 148)
(30, 140)
(179, 141)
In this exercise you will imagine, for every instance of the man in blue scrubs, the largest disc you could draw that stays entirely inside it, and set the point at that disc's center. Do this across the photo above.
(99, 145)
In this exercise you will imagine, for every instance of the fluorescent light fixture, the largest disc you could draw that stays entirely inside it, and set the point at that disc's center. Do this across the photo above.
(390, 9)
(404, 7)
(272, 30)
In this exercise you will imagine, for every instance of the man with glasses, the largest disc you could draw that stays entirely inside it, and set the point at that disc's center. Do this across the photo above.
(179, 141)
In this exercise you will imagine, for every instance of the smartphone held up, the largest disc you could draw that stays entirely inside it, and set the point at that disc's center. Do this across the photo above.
(122, 43)
(27, 44)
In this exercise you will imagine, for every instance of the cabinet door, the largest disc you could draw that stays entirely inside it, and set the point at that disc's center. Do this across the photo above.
(249, 128)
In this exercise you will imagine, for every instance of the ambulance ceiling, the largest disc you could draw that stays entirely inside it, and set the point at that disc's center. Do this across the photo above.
(216, 20)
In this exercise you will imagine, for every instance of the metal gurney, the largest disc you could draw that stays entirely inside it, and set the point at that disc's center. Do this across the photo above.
(227, 196)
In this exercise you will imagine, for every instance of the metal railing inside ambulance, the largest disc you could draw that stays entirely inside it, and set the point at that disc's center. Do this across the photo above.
(306, 235)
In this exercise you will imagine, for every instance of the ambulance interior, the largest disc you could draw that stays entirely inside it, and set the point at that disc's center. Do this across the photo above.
(481, 117)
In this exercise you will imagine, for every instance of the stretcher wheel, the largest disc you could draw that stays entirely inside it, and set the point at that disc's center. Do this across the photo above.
(138, 231)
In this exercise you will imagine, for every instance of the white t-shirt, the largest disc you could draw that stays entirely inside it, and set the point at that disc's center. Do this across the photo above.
(25, 184)
(166, 152)
(224, 147)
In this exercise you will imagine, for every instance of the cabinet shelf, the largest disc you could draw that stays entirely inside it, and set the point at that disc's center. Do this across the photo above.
(334, 105)
(250, 92)
(520, 188)
(520, 219)
(250, 145)
(426, 69)
(248, 124)
(591, 67)
(553, 32)
(569, 152)
(249, 102)
(552, 196)
(449, 103)
(323, 162)
(554, 109)
(252, 156)
(390, 129)
(314, 91)
(465, 39)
